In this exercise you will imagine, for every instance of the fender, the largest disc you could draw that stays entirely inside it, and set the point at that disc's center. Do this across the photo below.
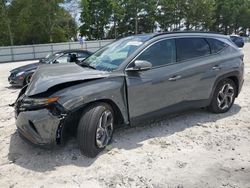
(230, 74)
(111, 90)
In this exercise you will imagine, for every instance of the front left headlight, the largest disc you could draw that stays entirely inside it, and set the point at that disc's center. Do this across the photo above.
(31, 103)
(20, 73)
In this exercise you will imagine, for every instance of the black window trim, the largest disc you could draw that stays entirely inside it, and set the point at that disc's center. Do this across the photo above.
(178, 62)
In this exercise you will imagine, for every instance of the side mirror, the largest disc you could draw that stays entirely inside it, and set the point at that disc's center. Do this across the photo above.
(140, 65)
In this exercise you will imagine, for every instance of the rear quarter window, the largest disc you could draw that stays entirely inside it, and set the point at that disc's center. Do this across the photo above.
(216, 45)
(189, 48)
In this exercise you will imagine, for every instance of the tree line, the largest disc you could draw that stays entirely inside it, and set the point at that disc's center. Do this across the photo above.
(115, 18)
(35, 22)
(45, 21)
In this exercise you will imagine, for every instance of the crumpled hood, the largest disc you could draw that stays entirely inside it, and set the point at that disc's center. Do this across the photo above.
(48, 76)
(25, 67)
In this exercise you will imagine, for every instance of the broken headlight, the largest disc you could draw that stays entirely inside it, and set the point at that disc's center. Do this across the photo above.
(34, 103)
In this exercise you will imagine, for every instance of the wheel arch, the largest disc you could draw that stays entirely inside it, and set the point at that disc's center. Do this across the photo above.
(71, 121)
(119, 118)
(236, 82)
(234, 76)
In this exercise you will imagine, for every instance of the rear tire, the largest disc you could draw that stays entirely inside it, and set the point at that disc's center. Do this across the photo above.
(223, 97)
(93, 134)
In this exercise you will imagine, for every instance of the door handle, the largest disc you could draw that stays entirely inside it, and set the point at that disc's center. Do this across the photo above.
(216, 68)
(174, 78)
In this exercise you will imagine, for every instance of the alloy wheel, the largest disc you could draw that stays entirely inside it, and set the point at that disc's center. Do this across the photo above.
(105, 129)
(225, 96)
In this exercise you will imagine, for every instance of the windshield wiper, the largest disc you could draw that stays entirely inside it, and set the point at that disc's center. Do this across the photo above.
(86, 65)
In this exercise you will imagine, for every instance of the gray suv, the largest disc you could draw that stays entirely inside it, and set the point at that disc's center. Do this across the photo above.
(130, 81)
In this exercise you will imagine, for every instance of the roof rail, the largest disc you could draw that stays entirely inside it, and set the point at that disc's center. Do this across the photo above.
(174, 32)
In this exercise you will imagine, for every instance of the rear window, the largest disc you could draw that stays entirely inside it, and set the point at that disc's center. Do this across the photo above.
(189, 48)
(216, 45)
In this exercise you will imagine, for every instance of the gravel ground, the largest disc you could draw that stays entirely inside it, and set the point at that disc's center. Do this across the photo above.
(191, 149)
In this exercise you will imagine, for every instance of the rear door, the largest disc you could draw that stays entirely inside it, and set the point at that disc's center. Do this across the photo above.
(194, 54)
(202, 62)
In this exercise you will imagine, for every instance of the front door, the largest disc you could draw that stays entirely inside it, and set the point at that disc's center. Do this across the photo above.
(162, 86)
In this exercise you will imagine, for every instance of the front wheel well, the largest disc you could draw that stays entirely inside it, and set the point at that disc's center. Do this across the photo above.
(71, 122)
(119, 120)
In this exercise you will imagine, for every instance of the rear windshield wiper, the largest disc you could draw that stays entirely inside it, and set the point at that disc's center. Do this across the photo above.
(86, 65)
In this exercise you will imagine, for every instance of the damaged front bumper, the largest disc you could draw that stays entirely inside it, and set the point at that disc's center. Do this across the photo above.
(41, 126)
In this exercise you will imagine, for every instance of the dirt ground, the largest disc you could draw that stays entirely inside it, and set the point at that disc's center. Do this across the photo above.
(191, 149)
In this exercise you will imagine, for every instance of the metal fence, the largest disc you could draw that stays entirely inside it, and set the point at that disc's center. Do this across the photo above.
(30, 52)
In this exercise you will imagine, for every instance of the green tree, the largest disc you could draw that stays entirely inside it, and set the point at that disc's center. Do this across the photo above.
(5, 24)
(132, 17)
(198, 14)
(32, 22)
(169, 14)
(242, 21)
(231, 15)
(95, 17)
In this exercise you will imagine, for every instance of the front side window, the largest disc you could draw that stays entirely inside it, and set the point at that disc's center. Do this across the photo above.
(189, 48)
(50, 57)
(63, 59)
(160, 53)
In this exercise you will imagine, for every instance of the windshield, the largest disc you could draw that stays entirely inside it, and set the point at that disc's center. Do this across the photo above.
(110, 57)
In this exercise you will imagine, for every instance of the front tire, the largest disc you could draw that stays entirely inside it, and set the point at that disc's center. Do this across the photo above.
(223, 97)
(95, 129)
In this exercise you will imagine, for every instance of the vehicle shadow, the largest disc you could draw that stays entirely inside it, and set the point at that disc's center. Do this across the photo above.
(42, 160)
(13, 87)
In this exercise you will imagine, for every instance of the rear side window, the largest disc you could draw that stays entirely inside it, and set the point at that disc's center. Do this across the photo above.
(160, 53)
(189, 48)
(216, 45)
